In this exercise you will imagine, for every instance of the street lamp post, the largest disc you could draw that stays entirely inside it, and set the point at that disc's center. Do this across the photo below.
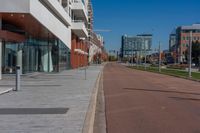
(145, 56)
(190, 56)
(132, 54)
(159, 63)
(137, 58)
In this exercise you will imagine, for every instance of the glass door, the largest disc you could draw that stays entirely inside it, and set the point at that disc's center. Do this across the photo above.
(9, 57)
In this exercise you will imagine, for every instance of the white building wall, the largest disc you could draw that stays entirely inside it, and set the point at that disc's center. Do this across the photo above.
(19, 6)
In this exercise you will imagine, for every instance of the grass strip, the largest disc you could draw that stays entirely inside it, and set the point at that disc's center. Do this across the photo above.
(171, 72)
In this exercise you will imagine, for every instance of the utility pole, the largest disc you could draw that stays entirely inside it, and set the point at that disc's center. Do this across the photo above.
(159, 63)
(190, 56)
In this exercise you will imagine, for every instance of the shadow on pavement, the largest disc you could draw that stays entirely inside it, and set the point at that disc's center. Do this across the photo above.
(186, 99)
(32, 111)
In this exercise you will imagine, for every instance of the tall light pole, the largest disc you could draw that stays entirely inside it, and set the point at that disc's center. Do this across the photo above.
(190, 56)
(159, 63)
(132, 53)
(137, 52)
(85, 54)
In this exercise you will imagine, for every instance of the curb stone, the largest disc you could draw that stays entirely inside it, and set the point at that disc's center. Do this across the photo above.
(88, 126)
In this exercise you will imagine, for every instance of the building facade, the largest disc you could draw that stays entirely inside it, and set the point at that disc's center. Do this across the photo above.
(43, 35)
(131, 45)
(79, 47)
(97, 52)
(172, 42)
(183, 40)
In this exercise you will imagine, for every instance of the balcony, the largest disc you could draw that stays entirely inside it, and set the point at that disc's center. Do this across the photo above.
(79, 9)
(79, 28)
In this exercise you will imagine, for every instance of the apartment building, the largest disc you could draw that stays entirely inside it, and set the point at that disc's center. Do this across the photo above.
(79, 47)
(95, 41)
(43, 35)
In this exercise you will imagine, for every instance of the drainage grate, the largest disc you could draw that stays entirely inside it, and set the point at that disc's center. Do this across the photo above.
(32, 111)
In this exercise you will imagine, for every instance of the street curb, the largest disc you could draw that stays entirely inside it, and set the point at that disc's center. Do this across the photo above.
(6, 91)
(88, 126)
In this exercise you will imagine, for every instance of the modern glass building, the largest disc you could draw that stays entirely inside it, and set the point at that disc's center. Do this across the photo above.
(132, 44)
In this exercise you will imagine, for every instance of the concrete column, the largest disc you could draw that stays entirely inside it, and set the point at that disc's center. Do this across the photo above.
(0, 52)
(78, 55)
(73, 56)
(0, 59)
(19, 59)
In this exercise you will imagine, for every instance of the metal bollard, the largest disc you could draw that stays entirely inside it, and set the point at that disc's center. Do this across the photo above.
(17, 78)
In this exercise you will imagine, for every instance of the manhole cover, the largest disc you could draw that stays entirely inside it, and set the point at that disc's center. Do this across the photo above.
(32, 111)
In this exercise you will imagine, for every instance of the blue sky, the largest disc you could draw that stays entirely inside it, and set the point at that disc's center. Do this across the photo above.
(133, 17)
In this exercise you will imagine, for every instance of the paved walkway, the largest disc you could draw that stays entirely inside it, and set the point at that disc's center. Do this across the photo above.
(47, 103)
(144, 102)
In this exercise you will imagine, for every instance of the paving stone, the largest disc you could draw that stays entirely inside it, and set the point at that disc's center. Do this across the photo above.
(67, 89)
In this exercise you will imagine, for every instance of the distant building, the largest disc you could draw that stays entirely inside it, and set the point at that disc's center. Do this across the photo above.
(130, 45)
(183, 39)
(172, 42)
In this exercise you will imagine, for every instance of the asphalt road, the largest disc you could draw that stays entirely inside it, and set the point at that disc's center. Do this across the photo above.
(144, 102)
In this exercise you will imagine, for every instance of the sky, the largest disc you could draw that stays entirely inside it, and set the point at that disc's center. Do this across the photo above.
(132, 17)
